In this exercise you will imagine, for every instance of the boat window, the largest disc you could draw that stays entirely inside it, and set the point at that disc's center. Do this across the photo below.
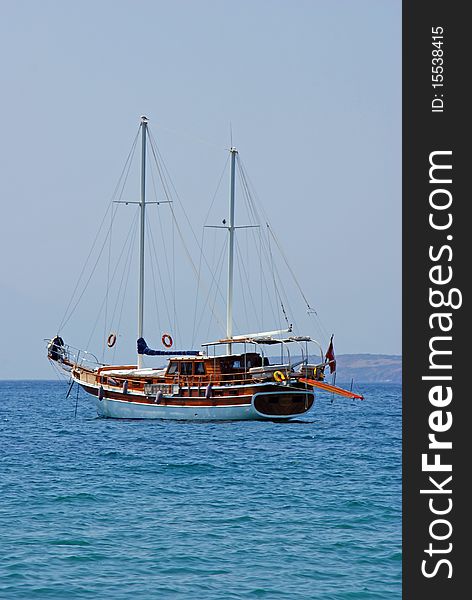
(186, 368)
(173, 368)
(199, 368)
(252, 360)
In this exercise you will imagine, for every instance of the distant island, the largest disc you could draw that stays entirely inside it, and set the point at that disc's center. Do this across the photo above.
(369, 368)
(363, 368)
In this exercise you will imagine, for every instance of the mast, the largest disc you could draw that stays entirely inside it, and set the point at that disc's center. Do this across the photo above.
(229, 297)
(142, 204)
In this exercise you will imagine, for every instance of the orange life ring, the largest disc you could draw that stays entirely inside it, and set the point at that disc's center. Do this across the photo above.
(167, 340)
(111, 340)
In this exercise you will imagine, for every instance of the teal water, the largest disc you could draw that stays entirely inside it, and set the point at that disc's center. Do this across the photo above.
(96, 508)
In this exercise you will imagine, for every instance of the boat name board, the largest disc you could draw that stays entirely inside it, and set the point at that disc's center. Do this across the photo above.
(151, 389)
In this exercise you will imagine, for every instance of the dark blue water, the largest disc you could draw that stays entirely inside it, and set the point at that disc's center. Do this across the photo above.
(96, 508)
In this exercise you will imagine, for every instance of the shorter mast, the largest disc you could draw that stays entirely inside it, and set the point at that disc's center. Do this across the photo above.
(142, 204)
(229, 297)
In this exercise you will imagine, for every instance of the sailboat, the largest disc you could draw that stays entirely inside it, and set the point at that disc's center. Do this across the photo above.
(231, 378)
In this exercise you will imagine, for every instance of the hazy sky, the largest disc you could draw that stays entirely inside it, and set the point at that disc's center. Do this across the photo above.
(313, 93)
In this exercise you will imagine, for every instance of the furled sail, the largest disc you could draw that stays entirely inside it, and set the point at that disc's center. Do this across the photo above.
(143, 348)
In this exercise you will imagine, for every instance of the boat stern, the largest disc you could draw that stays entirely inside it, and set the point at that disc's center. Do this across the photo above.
(283, 405)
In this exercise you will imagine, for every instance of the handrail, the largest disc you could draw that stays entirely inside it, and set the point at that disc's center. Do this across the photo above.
(68, 353)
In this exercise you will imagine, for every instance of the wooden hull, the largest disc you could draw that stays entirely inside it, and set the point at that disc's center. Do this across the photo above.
(260, 405)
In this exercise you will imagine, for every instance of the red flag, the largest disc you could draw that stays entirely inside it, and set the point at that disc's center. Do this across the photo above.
(330, 358)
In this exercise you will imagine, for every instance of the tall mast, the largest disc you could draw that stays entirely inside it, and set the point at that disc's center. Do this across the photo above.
(229, 297)
(142, 204)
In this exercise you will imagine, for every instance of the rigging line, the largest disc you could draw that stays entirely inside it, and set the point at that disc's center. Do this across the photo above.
(112, 279)
(124, 279)
(246, 179)
(251, 186)
(127, 163)
(152, 258)
(132, 248)
(247, 191)
(290, 269)
(285, 304)
(240, 270)
(129, 240)
(209, 291)
(107, 291)
(239, 253)
(262, 287)
(217, 188)
(197, 292)
(276, 291)
(255, 219)
(251, 200)
(61, 376)
(166, 262)
(245, 262)
(90, 276)
(172, 317)
(219, 277)
(62, 324)
(322, 329)
(281, 292)
(207, 299)
(103, 302)
(169, 273)
(154, 187)
(173, 278)
(277, 280)
(253, 214)
(126, 167)
(158, 158)
(261, 250)
(213, 280)
(159, 161)
(151, 236)
(190, 258)
(285, 301)
(149, 229)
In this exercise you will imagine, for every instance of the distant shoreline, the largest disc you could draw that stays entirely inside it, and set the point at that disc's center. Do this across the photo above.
(369, 368)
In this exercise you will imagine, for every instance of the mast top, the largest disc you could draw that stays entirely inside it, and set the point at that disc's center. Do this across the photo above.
(144, 119)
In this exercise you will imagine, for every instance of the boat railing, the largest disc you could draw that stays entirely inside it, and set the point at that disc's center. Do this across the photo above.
(72, 356)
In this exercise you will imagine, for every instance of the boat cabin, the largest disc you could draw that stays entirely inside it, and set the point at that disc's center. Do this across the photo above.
(215, 369)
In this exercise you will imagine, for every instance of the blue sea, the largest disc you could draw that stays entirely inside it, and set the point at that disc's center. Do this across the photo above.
(98, 508)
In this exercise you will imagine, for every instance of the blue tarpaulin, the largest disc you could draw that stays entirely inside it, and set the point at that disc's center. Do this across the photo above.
(144, 349)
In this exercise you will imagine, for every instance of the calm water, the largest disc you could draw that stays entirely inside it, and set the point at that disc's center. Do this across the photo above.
(95, 508)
